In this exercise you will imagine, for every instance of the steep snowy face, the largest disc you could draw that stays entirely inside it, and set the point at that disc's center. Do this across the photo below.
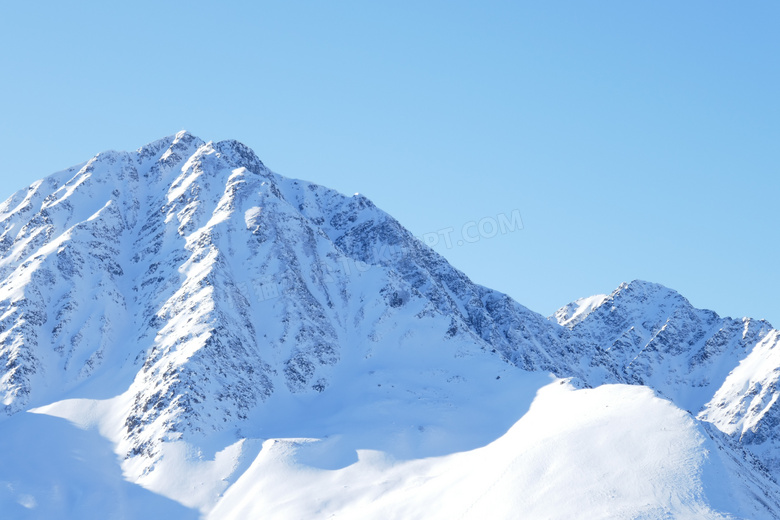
(63, 278)
(573, 313)
(746, 404)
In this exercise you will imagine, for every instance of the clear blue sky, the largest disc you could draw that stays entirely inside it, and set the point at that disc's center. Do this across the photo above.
(637, 139)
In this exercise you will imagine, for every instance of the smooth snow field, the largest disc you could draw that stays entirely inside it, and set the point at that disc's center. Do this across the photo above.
(612, 452)
(615, 451)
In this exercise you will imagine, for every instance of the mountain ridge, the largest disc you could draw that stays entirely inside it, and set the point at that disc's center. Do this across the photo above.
(194, 300)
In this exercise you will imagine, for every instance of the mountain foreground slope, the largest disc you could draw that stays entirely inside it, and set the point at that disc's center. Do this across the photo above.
(228, 343)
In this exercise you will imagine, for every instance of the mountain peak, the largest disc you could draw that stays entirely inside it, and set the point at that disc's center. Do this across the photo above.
(624, 299)
(642, 287)
(176, 145)
(240, 155)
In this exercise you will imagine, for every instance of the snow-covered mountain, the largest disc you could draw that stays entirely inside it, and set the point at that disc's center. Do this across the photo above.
(243, 345)
(722, 370)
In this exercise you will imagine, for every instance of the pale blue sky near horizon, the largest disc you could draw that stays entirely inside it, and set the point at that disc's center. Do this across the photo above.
(638, 140)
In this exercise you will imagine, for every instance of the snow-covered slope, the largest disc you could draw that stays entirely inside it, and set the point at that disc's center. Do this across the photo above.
(50, 469)
(189, 305)
(611, 452)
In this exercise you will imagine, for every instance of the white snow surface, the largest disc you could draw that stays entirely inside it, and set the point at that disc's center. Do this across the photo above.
(197, 336)
(578, 310)
(612, 452)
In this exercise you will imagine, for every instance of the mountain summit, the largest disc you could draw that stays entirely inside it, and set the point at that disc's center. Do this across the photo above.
(246, 344)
